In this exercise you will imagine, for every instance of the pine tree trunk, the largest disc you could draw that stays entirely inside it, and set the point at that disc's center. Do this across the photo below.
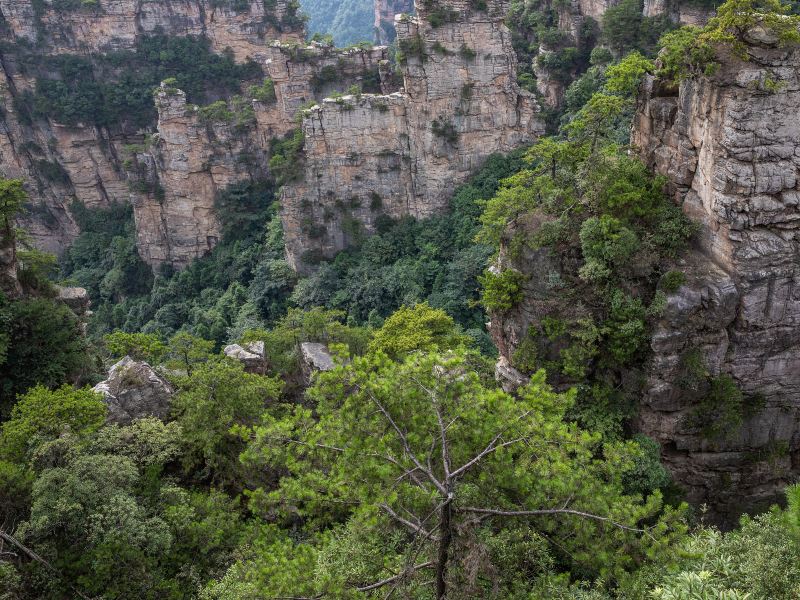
(445, 538)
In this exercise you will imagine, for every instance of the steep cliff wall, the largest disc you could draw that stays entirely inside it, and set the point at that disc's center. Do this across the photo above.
(106, 25)
(730, 146)
(385, 12)
(403, 154)
(193, 157)
(83, 161)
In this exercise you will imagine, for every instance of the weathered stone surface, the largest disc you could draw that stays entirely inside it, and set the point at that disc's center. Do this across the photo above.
(116, 24)
(317, 356)
(731, 150)
(91, 160)
(133, 390)
(190, 161)
(510, 379)
(385, 12)
(374, 155)
(250, 355)
(76, 298)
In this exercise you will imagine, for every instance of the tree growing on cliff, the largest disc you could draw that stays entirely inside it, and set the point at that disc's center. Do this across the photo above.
(415, 476)
(692, 50)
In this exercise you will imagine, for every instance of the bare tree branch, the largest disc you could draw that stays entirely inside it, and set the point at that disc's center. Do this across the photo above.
(442, 428)
(413, 526)
(492, 512)
(406, 445)
(35, 557)
(388, 580)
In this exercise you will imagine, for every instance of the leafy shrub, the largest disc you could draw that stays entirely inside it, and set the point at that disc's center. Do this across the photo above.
(501, 291)
(445, 129)
(672, 281)
(263, 93)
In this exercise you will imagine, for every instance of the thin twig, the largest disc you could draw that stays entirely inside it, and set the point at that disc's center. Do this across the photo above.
(489, 512)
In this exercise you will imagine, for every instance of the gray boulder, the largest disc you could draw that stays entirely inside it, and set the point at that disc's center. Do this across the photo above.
(315, 357)
(133, 390)
(250, 355)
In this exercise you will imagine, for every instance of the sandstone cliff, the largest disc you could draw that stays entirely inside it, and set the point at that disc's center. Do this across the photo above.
(402, 154)
(83, 162)
(192, 158)
(385, 12)
(730, 146)
(106, 25)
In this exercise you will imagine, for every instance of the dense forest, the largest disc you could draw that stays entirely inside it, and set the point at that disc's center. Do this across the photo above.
(346, 21)
(395, 466)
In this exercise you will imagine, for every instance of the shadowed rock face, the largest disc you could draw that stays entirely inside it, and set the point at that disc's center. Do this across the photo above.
(730, 146)
(133, 390)
(403, 154)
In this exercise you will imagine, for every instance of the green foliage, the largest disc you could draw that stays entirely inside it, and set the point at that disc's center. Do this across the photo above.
(722, 410)
(757, 561)
(501, 291)
(347, 22)
(417, 329)
(12, 198)
(103, 258)
(375, 419)
(243, 208)
(691, 50)
(285, 162)
(42, 415)
(625, 27)
(116, 88)
(263, 93)
(139, 346)
(438, 15)
(672, 281)
(218, 396)
(185, 352)
(408, 262)
(103, 517)
(445, 129)
(411, 47)
(35, 270)
(43, 345)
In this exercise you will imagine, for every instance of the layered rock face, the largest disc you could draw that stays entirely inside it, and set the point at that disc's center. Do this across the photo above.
(385, 12)
(730, 146)
(402, 154)
(191, 159)
(107, 25)
(83, 162)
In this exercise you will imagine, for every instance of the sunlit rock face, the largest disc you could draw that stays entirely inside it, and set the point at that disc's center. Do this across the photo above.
(730, 146)
(403, 154)
(62, 163)
(133, 390)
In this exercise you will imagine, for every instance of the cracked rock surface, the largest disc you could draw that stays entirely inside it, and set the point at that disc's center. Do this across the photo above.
(730, 146)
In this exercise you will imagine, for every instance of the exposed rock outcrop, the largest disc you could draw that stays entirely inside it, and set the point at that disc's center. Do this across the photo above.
(730, 146)
(250, 355)
(133, 390)
(402, 154)
(192, 158)
(76, 298)
(314, 357)
(107, 25)
(385, 12)
(82, 162)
